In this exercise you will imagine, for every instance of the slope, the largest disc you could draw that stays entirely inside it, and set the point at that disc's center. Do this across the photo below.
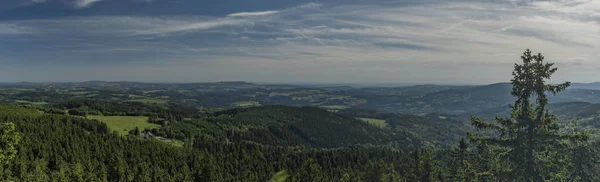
(281, 126)
(412, 131)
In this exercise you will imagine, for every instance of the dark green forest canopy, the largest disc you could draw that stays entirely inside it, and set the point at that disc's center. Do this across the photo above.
(238, 131)
(65, 148)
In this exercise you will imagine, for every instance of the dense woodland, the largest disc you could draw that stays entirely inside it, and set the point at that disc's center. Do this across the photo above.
(60, 148)
(525, 142)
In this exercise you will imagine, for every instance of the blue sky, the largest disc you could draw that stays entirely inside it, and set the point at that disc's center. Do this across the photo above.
(343, 41)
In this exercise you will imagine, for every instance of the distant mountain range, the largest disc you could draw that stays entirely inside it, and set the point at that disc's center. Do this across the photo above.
(411, 114)
(591, 86)
(416, 99)
(574, 85)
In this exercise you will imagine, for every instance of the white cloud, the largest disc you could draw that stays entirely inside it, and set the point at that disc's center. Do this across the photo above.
(261, 13)
(443, 42)
(172, 26)
(12, 29)
(25, 3)
(310, 5)
(85, 3)
(120, 25)
(587, 8)
(484, 34)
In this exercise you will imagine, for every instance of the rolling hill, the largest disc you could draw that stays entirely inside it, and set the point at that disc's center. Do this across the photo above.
(408, 130)
(279, 125)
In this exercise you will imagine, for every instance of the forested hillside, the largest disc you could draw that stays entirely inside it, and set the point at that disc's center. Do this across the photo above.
(431, 130)
(279, 125)
(138, 134)
(66, 148)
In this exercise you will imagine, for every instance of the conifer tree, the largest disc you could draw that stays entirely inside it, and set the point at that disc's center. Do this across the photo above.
(9, 138)
(310, 171)
(584, 160)
(461, 168)
(530, 133)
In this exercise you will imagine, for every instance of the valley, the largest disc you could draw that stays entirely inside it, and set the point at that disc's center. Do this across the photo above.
(419, 111)
(201, 127)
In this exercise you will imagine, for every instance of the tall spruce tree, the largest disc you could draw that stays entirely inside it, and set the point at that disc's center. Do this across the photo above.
(461, 168)
(9, 138)
(584, 160)
(529, 136)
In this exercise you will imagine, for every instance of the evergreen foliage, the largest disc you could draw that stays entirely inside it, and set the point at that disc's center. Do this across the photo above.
(9, 138)
(282, 143)
(529, 138)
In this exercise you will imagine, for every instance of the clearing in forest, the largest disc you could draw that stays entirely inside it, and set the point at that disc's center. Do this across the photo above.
(122, 124)
(247, 103)
(335, 107)
(376, 122)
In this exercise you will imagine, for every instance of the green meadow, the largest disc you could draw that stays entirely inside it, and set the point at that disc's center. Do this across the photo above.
(149, 100)
(247, 103)
(335, 107)
(122, 124)
(30, 103)
(376, 122)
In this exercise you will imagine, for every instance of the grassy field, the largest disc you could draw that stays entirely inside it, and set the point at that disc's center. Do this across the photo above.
(18, 89)
(79, 93)
(30, 103)
(151, 91)
(150, 100)
(280, 93)
(376, 122)
(123, 124)
(133, 96)
(177, 143)
(335, 107)
(246, 103)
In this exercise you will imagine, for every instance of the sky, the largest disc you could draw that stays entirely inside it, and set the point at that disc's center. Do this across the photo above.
(321, 41)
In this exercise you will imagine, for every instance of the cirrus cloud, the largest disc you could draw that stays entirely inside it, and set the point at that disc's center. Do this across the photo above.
(85, 3)
(261, 13)
(429, 42)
